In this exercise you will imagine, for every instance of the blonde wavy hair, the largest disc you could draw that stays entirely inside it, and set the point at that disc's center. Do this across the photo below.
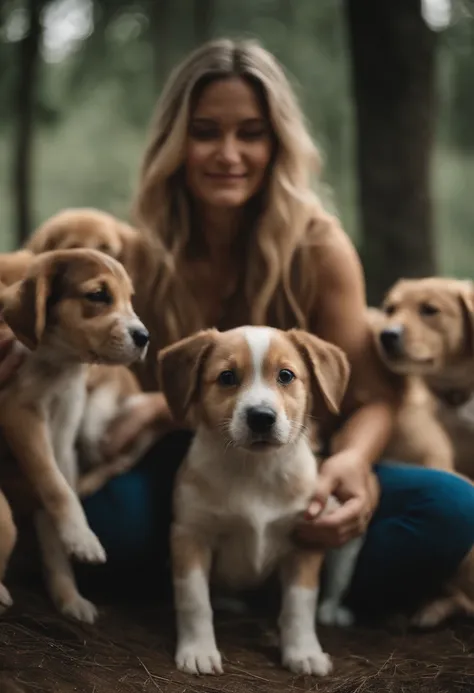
(276, 282)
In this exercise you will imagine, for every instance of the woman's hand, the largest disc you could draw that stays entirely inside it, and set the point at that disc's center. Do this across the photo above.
(348, 478)
(12, 355)
(150, 410)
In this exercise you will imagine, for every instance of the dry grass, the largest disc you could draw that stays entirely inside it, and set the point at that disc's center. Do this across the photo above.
(131, 649)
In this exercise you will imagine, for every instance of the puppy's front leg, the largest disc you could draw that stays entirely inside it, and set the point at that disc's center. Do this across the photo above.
(59, 574)
(340, 566)
(31, 445)
(196, 651)
(301, 651)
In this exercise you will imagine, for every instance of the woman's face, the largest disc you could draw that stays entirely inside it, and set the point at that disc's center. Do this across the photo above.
(229, 145)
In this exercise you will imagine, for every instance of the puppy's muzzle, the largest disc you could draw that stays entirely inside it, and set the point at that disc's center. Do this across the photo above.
(391, 339)
(140, 336)
(261, 419)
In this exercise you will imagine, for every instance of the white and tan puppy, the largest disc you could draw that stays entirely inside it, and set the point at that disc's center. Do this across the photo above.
(252, 394)
(73, 307)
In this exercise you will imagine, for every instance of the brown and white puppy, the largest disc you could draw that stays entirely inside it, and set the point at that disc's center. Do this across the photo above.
(72, 308)
(112, 392)
(251, 394)
(419, 436)
(84, 228)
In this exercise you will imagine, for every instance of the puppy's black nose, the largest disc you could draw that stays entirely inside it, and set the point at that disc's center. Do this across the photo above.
(260, 419)
(140, 336)
(391, 340)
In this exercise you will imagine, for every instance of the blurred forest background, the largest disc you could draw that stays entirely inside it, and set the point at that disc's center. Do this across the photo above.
(387, 87)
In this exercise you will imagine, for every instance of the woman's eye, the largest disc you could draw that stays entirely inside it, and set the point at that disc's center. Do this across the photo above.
(227, 378)
(252, 134)
(204, 134)
(285, 376)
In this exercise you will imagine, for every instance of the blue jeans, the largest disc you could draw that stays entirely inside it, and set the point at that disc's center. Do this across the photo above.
(422, 529)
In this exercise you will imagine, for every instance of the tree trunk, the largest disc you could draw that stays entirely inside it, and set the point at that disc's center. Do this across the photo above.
(393, 65)
(28, 59)
(203, 19)
(161, 37)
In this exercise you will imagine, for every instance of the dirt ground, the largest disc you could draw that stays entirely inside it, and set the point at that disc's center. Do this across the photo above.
(130, 649)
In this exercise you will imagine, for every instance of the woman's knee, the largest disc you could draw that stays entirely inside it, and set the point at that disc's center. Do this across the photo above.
(421, 532)
(446, 505)
(435, 506)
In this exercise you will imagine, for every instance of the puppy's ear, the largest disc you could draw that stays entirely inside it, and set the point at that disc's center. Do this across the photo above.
(466, 298)
(328, 365)
(179, 370)
(25, 303)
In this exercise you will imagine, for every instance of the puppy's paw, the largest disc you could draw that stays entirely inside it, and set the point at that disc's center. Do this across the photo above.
(199, 658)
(80, 609)
(345, 618)
(81, 542)
(332, 614)
(5, 598)
(307, 660)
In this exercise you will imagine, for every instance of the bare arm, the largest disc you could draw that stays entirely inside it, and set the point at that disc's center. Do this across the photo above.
(340, 317)
(370, 402)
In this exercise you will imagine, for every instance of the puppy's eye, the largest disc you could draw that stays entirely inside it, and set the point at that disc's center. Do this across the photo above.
(227, 378)
(99, 296)
(390, 309)
(104, 248)
(285, 376)
(428, 309)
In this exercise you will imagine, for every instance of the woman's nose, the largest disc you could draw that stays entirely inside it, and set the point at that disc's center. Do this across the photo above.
(229, 152)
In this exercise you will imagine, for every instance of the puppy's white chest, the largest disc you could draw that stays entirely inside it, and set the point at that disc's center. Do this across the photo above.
(254, 535)
(245, 508)
(64, 411)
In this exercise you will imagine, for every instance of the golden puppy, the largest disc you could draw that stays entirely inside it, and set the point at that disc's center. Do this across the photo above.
(84, 228)
(418, 437)
(429, 332)
(248, 478)
(13, 266)
(72, 308)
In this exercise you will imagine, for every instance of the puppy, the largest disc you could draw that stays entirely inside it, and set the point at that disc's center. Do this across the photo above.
(72, 308)
(427, 335)
(418, 437)
(13, 266)
(112, 391)
(248, 478)
(84, 228)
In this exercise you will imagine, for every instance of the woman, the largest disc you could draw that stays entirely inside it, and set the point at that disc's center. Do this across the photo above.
(226, 194)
